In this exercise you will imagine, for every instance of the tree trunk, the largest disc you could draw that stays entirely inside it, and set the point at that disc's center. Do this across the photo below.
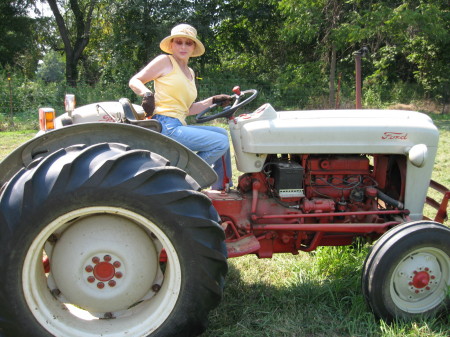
(331, 101)
(71, 70)
(82, 26)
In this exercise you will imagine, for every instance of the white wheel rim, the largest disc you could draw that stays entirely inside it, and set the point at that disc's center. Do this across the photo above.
(421, 280)
(138, 315)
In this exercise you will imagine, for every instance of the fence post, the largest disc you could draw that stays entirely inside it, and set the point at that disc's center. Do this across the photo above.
(358, 79)
(358, 55)
(11, 120)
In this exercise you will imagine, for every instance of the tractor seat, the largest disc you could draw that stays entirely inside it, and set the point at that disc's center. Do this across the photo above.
(136, 118)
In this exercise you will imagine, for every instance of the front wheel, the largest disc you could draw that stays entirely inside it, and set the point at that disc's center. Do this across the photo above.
(407, 273)
(105, 240)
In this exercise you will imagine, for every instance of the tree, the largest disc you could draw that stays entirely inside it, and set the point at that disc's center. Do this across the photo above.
(16, 33)
(74, 42)
(131, 30)
(51, 69)
(409, 41)
(314, 25)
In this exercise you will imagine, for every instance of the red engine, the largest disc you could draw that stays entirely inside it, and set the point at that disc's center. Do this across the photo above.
(299, 202)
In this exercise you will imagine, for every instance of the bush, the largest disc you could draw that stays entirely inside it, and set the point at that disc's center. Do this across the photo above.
(302, 87)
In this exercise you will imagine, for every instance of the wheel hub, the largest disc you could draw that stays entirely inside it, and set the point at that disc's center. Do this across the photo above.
(417, 277)
(421, 279)
(104, 263)
(104, 271)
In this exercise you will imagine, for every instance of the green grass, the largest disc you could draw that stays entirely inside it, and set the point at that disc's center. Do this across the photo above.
(9, 140)
(311, 294)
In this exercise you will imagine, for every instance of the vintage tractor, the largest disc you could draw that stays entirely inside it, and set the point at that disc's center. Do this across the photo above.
(108, 228)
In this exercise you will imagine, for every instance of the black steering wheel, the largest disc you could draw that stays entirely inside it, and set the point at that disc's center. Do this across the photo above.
(229, 110)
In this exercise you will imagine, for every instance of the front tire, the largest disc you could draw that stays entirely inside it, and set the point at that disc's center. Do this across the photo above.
(129, 247)
(407, 273)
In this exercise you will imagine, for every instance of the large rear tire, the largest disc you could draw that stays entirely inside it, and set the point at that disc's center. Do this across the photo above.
(130, 248)
(407, 272)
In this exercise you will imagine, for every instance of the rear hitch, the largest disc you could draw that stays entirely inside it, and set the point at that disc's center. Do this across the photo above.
(441, 207)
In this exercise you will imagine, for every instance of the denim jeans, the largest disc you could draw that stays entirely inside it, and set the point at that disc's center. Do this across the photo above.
(209, 142)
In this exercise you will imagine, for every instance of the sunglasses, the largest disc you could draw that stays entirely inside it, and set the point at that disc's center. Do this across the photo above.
(186, 42)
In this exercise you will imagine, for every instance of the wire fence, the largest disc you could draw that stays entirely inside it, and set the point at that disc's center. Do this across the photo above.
(25, 97)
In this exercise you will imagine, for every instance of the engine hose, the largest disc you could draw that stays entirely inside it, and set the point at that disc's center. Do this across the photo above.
(389, 200)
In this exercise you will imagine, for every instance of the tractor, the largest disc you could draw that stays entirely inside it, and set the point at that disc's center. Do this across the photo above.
(109, 228)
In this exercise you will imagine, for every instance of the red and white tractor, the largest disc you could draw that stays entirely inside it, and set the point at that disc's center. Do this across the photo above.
(108, 228)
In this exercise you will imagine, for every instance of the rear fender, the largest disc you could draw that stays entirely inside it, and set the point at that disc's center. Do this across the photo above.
(91, 133)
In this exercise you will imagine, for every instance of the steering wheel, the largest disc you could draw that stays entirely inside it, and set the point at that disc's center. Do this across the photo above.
(229, 110)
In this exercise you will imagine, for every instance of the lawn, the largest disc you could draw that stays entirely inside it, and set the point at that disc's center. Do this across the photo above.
(9, 140)
(310, 294)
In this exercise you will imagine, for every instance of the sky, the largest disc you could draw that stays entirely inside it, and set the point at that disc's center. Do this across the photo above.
(43, 8)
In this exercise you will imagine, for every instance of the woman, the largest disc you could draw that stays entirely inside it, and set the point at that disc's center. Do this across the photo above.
(173, 100)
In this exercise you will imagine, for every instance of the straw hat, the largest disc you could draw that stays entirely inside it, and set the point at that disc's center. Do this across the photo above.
(186, 31)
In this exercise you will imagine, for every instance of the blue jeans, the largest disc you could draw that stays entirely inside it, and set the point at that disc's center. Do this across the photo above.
(210, 143)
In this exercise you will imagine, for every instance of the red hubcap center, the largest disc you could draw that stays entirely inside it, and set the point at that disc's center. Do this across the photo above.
(104, 271)
(421, 279)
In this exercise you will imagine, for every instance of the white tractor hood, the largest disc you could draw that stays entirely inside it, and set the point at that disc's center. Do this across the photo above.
(333, 131)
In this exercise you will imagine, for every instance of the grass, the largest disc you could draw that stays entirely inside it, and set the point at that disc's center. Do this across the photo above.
(441, 172)
(9, 140)
(313, 294)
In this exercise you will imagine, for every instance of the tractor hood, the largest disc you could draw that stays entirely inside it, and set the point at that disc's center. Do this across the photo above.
(334, 131)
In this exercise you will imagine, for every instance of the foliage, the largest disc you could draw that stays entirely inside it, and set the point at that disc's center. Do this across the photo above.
(17, 38)
(293, 52)
(51, 69)
(406, 38)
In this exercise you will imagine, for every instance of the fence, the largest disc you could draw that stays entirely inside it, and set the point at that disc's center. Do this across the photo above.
(19, 96)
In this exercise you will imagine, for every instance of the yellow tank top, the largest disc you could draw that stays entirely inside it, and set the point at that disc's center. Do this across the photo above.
(174, 93)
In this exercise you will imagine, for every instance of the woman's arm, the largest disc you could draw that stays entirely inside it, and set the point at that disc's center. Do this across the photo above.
(198, 107)
(221, 100)
(158, 67)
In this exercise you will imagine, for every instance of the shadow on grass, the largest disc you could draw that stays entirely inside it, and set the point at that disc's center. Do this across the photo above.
(305, 307)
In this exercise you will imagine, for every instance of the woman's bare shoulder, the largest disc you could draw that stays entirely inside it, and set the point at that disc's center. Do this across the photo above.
(162, 63)
(159, 66)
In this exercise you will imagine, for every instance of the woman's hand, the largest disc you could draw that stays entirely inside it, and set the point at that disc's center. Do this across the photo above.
(222, 100)
(148, 103)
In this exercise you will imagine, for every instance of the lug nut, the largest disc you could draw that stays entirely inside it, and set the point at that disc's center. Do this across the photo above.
(56, 292)
(108, 315)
